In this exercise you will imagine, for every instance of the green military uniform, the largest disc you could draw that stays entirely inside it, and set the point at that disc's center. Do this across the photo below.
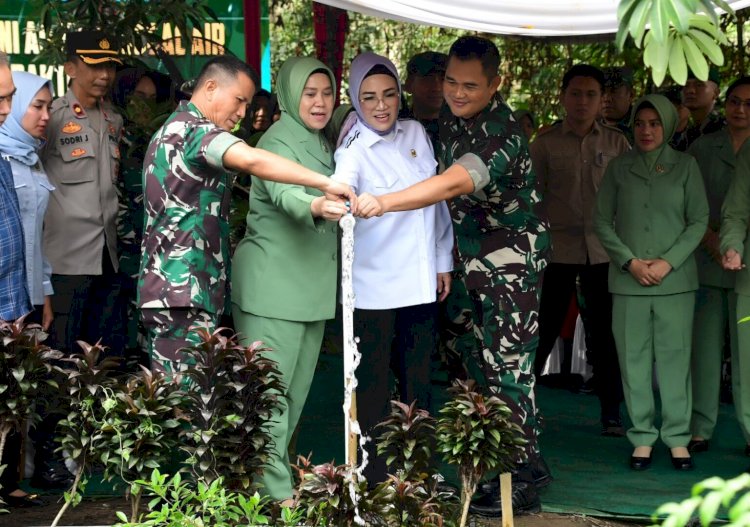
(653, 205)
(184, 267)
(735, 215)
(284, 281)
(502, 245)
(715, 301)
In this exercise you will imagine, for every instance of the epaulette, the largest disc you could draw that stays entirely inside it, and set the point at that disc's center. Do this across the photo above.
(547, 129)
(59, 103)
(612, 127)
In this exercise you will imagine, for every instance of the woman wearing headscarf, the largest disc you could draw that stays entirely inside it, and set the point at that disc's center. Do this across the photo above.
(717, 155)
(650, 216)
(21, 137)
(284, 269)
(402, 261)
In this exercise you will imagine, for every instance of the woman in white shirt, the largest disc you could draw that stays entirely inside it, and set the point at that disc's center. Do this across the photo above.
(21, 137)
(402, 261)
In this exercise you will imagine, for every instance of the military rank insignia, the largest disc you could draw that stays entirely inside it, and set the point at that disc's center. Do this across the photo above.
(413, 153)
(660, 169)
(78, 111)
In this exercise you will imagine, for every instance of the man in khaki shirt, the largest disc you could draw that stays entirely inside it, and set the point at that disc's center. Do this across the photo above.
(570, 159)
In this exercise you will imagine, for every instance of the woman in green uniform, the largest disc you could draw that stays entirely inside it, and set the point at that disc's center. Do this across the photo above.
(735, 216)
(651, 214)
(715, 301)
(284, 269)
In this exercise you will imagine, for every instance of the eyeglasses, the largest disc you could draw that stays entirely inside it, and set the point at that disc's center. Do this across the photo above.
(371, 101)
(736, 101)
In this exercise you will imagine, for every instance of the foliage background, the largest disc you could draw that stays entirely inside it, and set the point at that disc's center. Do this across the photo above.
(531, 69)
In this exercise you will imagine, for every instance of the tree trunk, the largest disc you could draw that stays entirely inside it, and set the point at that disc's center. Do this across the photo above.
(71, 494)
(4, 431)
(135, 503)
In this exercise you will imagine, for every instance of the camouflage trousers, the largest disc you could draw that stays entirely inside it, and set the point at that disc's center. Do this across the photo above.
(170, 330)
(503, 318)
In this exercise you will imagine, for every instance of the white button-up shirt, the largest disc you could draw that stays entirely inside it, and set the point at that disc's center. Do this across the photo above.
(398, 255)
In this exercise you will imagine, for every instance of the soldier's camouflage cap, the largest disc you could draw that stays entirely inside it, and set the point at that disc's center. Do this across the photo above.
(426, 63)
(616, 77)
(92, 47)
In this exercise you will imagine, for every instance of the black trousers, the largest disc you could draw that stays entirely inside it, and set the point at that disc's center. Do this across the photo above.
(558, 285)
(88, 308)
(11, 459)
(12, 454)
(407, 337)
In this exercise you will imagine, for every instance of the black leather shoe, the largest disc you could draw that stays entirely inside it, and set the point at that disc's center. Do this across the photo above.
(697, 445)
(22, 502)
(612, 428)
(540, 472)
(640, 463)
(525, 501)
(747, 450)
(53, 476)
(682, 463)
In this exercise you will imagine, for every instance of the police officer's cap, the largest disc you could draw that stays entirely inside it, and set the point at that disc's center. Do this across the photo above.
(427, 63)
(616, 77)
(92, 47)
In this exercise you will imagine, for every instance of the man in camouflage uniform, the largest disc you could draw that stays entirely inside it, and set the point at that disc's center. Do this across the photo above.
(502, 241)
(700, 98)
(183, 279)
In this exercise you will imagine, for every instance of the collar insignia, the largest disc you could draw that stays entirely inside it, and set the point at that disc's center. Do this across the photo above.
(79, 111)
(413, 153)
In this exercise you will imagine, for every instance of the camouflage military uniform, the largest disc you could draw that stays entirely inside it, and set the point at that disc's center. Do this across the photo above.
(185, 261)
(129, 189)
(503, 246)
(682, 140)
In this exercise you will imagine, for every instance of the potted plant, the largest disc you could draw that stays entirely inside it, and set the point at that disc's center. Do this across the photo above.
(475, 433)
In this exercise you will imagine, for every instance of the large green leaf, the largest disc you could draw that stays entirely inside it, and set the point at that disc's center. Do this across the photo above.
(695, 59)
(707, 46)
(677, 64)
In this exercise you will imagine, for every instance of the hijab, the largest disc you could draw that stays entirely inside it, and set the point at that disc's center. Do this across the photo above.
(291, 81)
(16, 142)
(361, 66)
(668, 117)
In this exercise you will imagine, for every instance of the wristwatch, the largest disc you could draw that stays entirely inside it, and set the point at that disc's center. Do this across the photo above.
(626, 266)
